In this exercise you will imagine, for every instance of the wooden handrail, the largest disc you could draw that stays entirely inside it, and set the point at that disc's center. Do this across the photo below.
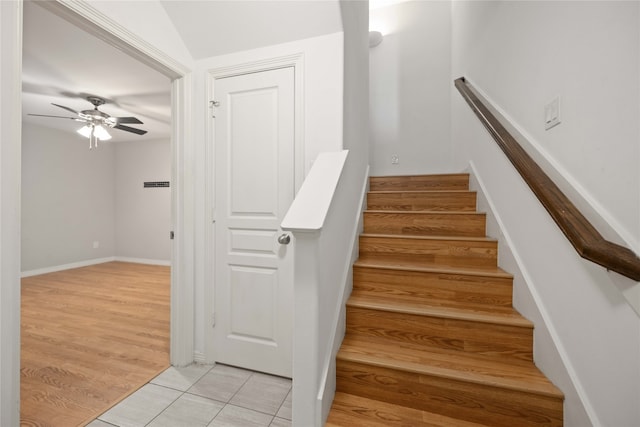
(587, 241)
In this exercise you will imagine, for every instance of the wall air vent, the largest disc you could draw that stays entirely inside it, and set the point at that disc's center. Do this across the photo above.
(156, 184)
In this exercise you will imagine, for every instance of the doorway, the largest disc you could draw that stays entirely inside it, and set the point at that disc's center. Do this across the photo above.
(258, 169)
(96, 23)
(255, 175)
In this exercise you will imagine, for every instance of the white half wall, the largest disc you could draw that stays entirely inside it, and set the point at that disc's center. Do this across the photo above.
(68, 197)
(410, 77)
(142, 215)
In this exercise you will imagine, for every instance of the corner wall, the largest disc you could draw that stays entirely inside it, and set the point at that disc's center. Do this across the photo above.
(409, 88)
(143, 215)
(68, 198)
(521, 55)
(73, 197)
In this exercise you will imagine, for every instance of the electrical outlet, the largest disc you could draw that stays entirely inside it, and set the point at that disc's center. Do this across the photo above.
(96, 244)
(395, 159)
(552, 114)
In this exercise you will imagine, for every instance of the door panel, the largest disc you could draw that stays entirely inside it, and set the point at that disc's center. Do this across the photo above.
(254, 151)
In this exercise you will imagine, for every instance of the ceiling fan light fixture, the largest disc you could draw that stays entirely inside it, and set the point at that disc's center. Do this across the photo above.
(101, 133)
(97, 121)
(85, 131)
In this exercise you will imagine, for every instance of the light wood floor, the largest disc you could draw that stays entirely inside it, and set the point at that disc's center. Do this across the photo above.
(90, 337)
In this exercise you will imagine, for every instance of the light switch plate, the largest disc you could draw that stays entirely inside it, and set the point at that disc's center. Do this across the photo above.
(552, 114)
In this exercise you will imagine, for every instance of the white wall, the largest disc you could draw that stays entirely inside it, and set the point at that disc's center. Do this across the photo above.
(524, 54)
(521, 55)
(142, 215)
(73, 197)
(68, 198)
(410, 76)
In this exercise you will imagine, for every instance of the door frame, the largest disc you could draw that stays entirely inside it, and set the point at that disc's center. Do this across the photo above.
(85, 16)
(296, 61)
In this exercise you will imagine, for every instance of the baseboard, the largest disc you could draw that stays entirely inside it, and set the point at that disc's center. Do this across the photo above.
(144, 261)
(69, 266)
(94, 261)
(198, 357)
(546, 336)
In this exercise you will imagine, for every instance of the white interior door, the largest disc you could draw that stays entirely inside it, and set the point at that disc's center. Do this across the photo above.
(254, 186)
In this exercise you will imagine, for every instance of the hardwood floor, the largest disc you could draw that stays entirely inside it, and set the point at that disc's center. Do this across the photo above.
(90, 337)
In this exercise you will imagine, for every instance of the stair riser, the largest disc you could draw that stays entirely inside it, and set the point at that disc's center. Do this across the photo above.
(429, 287)
(454, 398)
(419, 183)
(495, 340)
(435, 201)
(425, 224)
(454, 253)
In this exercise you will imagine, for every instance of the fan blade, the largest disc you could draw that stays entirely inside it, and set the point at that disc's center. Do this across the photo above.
(57, 117)
(130, 129)
(127, 120)
(65, 108)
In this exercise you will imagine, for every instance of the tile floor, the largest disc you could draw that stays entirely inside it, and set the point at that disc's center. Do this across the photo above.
(201, 395)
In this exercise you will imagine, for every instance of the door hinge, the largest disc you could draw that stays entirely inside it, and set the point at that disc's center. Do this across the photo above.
(212, 105)
(213, 320)
(171, 235)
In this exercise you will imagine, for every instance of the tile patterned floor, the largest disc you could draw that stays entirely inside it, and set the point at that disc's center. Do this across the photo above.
(205, 396)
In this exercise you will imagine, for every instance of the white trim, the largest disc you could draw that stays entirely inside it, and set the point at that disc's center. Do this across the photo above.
(83, 15)
(10, 166)
(528, 280)
(68, 266)
(87, 17)
(94, 261)
(162, 262)
(198, 357)
(182, 196)
(234, 69)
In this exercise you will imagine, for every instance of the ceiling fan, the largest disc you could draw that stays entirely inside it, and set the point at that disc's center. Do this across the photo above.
(95, 121)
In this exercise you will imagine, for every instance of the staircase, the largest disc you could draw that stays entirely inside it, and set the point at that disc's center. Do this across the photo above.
(432, 338)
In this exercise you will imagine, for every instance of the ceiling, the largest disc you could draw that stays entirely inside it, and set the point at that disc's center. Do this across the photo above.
(232, 26)
(62, 64)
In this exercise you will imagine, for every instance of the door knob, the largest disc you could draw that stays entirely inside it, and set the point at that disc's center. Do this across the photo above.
(284, 239)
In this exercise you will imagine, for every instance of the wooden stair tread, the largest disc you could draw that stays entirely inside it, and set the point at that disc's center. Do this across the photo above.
(419, 191)
(434, 303)
(423, 212)
(450, 364)
(450, 238)
(410, 264)
(471, 271)
(504, 316)
(349, 410)
(430, 176)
